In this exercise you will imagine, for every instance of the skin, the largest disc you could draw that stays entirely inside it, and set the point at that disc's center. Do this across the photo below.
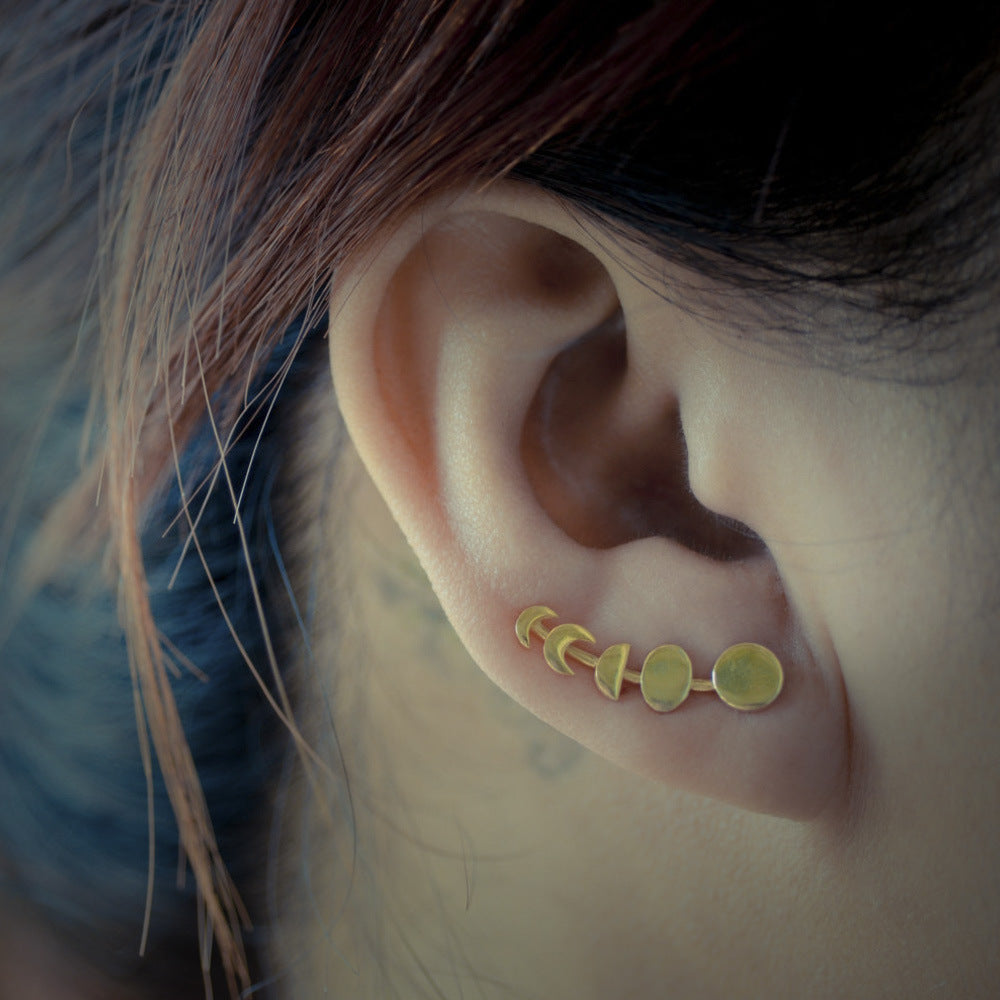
(492, 855)
(34, 962)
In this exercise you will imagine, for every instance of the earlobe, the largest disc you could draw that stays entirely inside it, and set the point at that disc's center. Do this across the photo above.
(523, 403)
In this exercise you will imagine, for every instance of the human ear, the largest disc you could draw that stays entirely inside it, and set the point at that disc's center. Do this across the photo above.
(548, 429)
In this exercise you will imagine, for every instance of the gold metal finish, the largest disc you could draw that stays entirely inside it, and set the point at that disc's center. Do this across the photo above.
(558, 641)
(666, 678)
(610, 670)
(528, 619)
(746, 676)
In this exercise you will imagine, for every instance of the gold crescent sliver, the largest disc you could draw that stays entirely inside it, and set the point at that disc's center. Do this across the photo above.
(557, 644)
(747, 676)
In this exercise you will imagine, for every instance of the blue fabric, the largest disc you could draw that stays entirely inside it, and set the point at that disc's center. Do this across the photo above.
(73, 795)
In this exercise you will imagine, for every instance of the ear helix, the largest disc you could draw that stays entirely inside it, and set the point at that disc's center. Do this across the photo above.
(747, 676)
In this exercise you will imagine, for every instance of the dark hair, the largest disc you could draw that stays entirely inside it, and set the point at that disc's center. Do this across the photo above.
(221, 160)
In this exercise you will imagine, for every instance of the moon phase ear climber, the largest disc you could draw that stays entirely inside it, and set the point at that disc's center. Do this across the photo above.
(747, 676)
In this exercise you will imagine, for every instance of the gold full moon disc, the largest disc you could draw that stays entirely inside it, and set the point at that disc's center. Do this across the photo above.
(665, 680)
(747, 676)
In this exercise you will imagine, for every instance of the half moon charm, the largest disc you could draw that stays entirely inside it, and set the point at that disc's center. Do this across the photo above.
(610, 670)
(558, 641)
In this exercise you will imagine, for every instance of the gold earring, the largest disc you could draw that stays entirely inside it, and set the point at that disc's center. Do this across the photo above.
(746, 676)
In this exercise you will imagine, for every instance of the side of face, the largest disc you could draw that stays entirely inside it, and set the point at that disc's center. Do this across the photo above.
(550, 425)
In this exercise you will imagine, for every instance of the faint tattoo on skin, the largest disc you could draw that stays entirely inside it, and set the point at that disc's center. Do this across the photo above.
(403, 589)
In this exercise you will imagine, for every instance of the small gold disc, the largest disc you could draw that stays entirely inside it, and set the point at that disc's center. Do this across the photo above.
(610, 670)
(666, 678)
(747, 676)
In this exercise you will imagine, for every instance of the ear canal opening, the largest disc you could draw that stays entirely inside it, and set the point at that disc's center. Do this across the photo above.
(605, 481)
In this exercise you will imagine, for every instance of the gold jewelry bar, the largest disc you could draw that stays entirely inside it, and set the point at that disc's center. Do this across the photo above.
(746, 676)
(589, 660)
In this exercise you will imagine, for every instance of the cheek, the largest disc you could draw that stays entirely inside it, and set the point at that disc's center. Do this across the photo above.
(923, 687)
(889, 580)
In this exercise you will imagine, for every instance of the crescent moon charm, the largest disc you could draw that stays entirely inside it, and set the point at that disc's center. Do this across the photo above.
(528, 619)
(558, 641)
